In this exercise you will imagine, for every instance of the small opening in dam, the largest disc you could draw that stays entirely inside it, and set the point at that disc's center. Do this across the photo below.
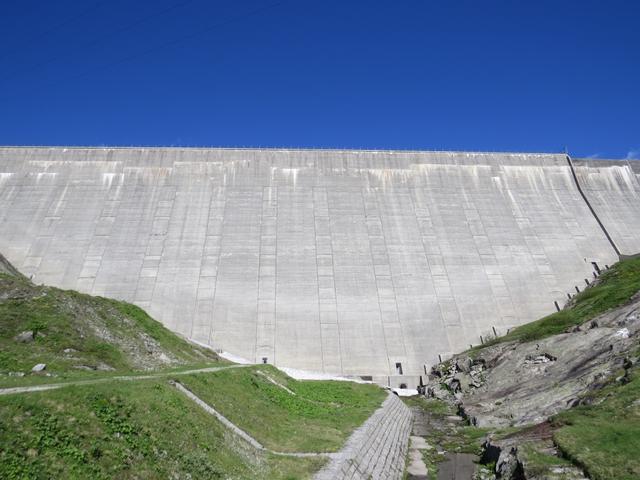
(264, 359)
(399, 368)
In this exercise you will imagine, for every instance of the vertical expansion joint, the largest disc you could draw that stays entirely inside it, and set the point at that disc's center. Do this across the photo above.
(593, 212)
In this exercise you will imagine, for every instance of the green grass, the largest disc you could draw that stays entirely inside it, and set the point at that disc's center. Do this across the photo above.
(126, 430)
(617, 286)
(537, 463)
(604, 438)
(103, 333)
(319, 417)
(431, 405)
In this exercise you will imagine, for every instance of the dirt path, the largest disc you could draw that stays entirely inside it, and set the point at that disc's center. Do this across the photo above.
(123, 378)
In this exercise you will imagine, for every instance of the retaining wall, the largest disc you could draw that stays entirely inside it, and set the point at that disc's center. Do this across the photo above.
(378, 449)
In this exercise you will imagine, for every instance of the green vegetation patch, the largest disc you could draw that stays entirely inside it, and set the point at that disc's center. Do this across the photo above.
(314, 416)
(616, 287)
(127, 430)
(604, 438)
(79, 335)
(431, 405)
(537, 462)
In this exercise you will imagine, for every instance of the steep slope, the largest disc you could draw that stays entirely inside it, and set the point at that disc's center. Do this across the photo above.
(143, 430)
(108, 403)
(522, 389)
(71, 332)
(543, 367)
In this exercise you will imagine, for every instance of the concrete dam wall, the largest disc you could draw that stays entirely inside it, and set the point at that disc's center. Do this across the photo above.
(351, 262)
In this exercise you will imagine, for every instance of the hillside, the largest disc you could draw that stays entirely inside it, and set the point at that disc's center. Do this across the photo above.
(557, 397)
(72, 334)
(110, 401)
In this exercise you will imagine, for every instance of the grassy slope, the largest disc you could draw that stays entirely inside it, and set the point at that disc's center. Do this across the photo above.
(126, 430)
(617, 285)
(319, 417)
(604, 438)
(103, 333)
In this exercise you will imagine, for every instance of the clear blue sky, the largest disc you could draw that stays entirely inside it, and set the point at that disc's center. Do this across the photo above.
(444, 75)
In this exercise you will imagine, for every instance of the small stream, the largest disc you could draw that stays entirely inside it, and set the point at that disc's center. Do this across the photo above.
(457, 466)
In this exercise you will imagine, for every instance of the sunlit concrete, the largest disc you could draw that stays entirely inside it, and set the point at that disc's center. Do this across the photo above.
(613, 189)
(339, 261)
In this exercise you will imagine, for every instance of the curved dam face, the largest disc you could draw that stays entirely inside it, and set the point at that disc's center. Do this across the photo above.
(349, 262)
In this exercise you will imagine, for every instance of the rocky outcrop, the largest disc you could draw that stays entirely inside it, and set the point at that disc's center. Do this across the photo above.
(525, 383)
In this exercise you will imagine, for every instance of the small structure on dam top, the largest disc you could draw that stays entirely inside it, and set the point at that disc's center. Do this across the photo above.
(348, 262)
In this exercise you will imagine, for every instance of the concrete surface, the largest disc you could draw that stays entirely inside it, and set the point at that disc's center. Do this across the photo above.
(377, 450)
(345, 262)
(613, 189)
(416, 468)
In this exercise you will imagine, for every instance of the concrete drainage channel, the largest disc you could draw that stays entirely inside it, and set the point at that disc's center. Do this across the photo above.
(376, 450)
(237, 430)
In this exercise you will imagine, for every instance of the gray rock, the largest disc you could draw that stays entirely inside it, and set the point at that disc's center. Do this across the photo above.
(508, 466)
(525, 383)
(463, 365)
(25, 337)
(39, 367)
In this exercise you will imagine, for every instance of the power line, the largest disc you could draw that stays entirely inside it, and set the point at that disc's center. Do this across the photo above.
(57, 27)
(184, 38)
(98, 41)
(174, 42)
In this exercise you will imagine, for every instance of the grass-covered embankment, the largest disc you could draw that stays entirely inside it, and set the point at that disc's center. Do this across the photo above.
(78, 335)
(604, 437)
(145, 429)
(311, 416)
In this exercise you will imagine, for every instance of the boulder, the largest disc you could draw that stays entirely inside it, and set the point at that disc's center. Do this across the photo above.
(507, 463)
(463, 364)
(25, 337)
(39, 367)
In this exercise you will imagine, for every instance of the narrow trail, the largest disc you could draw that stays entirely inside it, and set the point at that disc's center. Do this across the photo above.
(118, 378)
